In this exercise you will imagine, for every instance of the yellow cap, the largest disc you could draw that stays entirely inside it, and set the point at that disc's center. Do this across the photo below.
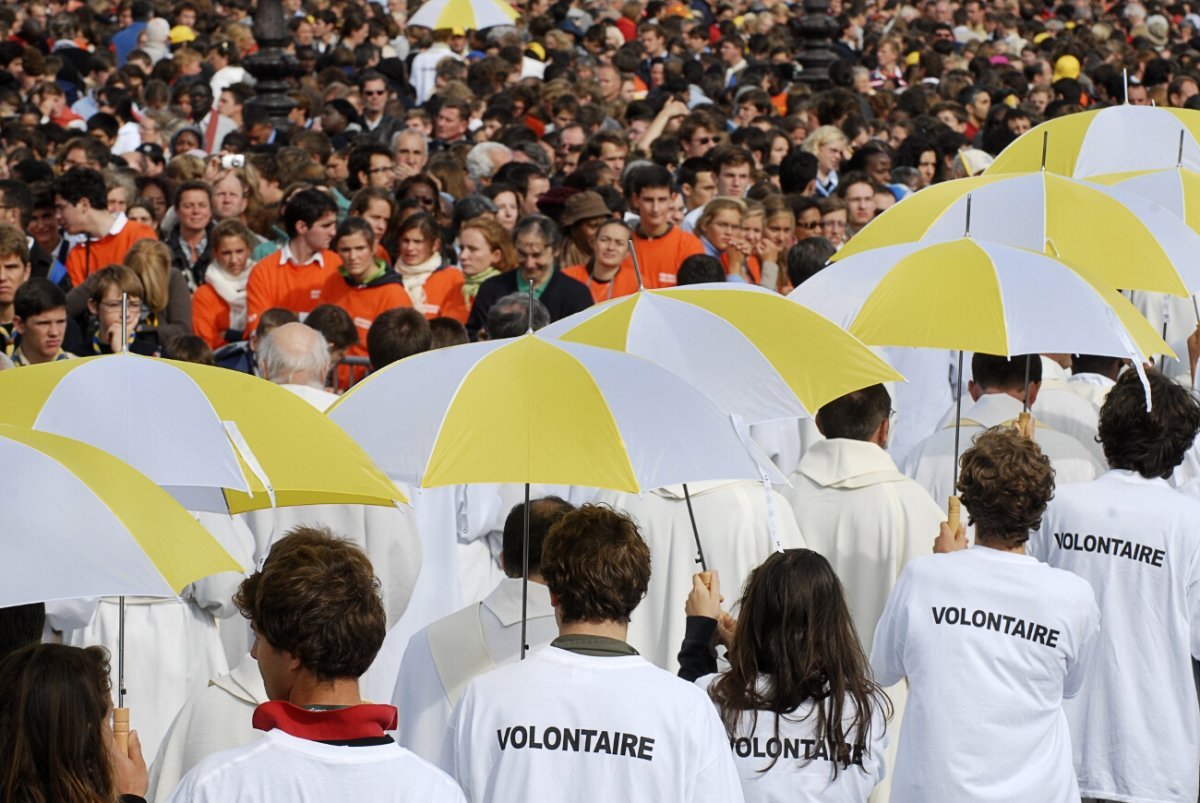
(1066, 67)
(913, 58)
(180, 34)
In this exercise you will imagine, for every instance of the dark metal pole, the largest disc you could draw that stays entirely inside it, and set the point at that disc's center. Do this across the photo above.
(525, 579)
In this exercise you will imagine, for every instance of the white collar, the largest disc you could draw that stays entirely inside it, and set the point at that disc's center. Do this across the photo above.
(505, 601)
(286, 257)
(992, 409)
(119, 221)
(1092, 379)
(846, 463)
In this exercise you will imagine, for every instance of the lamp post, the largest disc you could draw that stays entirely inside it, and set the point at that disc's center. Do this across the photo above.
(816, 30)
(271, 66)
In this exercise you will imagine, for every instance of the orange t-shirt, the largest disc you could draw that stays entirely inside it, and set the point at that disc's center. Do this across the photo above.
(624, 283)
(210, 316)
(660, 258)
(87, 257)
(753, 266)
(363, 303)
(444, 296)
(276, 283)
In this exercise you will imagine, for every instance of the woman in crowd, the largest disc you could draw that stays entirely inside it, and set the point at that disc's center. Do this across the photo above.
(606, 273)
(805, 719)
(435, 289)
(55, 730)
(378, 207)
(720, 226)
(485, 250)
(830, 146)
(507, 204)
(219, 305)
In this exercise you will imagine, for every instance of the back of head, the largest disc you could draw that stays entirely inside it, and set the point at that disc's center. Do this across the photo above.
(396, 334)
(294, 354)
(1153, 442)
(995, 374)
(1096, 364)
(509, 317)
(700, 269)
(334, 324)
(21, 625)
(544, 513)
(55, 699)
(1005, 482)
(857, 415)
(807, 258)
(597, 565)
(273, 319)
(445, 332)
(316, 597)
(794, 625)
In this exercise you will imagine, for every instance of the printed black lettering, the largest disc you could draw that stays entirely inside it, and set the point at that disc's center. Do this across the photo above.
(1157, 560)
(979, 618)
(1019, 630)
(758, 753)
(645, 748)
(552, 735)
(742, 747)
(1052, 638)
(1039, 634)
(1008, 620)
(519, 731)
(1059, 540)
(773, 747)
(791, 748)
(502, 735)
(993, 621)
(1103, 545)
(628, 745)
(938, 615)
(589, 733)
(952, 616)
(1127, 550)
(604, 743)
(534, 744)
(571, 739)
(808, 743)
(1089, 543)
(822, 750)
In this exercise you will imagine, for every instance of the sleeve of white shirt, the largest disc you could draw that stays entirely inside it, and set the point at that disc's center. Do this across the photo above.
(718, 781)
(887, 653)
(1192, 595)
(456, 747)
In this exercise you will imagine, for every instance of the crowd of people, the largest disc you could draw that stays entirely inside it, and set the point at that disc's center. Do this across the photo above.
(435, 187)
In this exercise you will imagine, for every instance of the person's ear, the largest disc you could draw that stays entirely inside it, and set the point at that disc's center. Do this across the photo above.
(880, 436)
(975, 391)
(1031, 393)
(18, 325)
(92, 306)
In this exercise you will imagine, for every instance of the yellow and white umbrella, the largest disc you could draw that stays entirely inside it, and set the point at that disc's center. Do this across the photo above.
(753, 352)
(1122, 239)
(469, 15)
(1177, 189)
(1112, 140)
(989, 298)
(532, 410)
(216, 440)
(77, 522)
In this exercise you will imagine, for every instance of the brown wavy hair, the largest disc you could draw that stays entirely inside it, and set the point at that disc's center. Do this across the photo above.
(1005, 482)
(1153, 442)
(595, 562)
(794, 628)
(53, 747)
(317, 597)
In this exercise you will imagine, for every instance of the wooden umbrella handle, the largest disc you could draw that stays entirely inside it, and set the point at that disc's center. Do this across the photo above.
(121, 729)
(1025, 424)
(953, 513)
(706, 578)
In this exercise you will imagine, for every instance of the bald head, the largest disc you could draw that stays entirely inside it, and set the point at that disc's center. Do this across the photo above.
(294, 354)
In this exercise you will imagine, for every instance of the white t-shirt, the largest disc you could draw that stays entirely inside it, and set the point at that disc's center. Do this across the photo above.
(564, 726)
(794, 765)
(991, 643)
(288, 769)
(1136, 722)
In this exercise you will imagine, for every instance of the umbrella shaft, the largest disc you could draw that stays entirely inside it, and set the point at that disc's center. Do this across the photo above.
(121, 653)
(525, 579)
(957, 421)
(687, 497)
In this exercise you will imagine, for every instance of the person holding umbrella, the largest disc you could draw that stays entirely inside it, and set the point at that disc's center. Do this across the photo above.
(992, 642)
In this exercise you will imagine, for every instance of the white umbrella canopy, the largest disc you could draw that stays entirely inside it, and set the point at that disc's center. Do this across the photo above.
(754, 353)
(473, 15)
(77, 522)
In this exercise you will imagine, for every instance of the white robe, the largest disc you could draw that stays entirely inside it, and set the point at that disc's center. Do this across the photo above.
(732, 519)
(1093, 388)
(389, 536)
(427, 692)
(1060, 407)
(931, 463)
(172, 646)
(216, 718)
(1135, 725)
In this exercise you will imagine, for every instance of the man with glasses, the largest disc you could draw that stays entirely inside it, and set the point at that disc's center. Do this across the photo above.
(371, 165)
(374, 90)
(537, 239)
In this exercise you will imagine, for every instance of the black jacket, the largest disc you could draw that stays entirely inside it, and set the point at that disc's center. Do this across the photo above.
(563, 296)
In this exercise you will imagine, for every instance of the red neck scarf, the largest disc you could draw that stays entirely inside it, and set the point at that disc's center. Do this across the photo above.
(364, 721)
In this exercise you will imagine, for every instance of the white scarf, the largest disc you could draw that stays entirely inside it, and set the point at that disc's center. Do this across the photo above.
(232, 289)
(414, 277)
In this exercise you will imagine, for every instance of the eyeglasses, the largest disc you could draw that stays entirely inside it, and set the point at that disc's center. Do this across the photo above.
(703, 140)
(133, 305)
(833, 224)
(387, 169)
(812, 225)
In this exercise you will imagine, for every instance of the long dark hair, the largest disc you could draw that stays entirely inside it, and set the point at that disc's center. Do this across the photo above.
(53, 747)
(795, 632)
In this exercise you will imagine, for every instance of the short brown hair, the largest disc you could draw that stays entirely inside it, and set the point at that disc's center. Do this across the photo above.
(1005, 483)
(1151, 442)
(13, 243)
(595, 562)
(316, 596)
(119, 276)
